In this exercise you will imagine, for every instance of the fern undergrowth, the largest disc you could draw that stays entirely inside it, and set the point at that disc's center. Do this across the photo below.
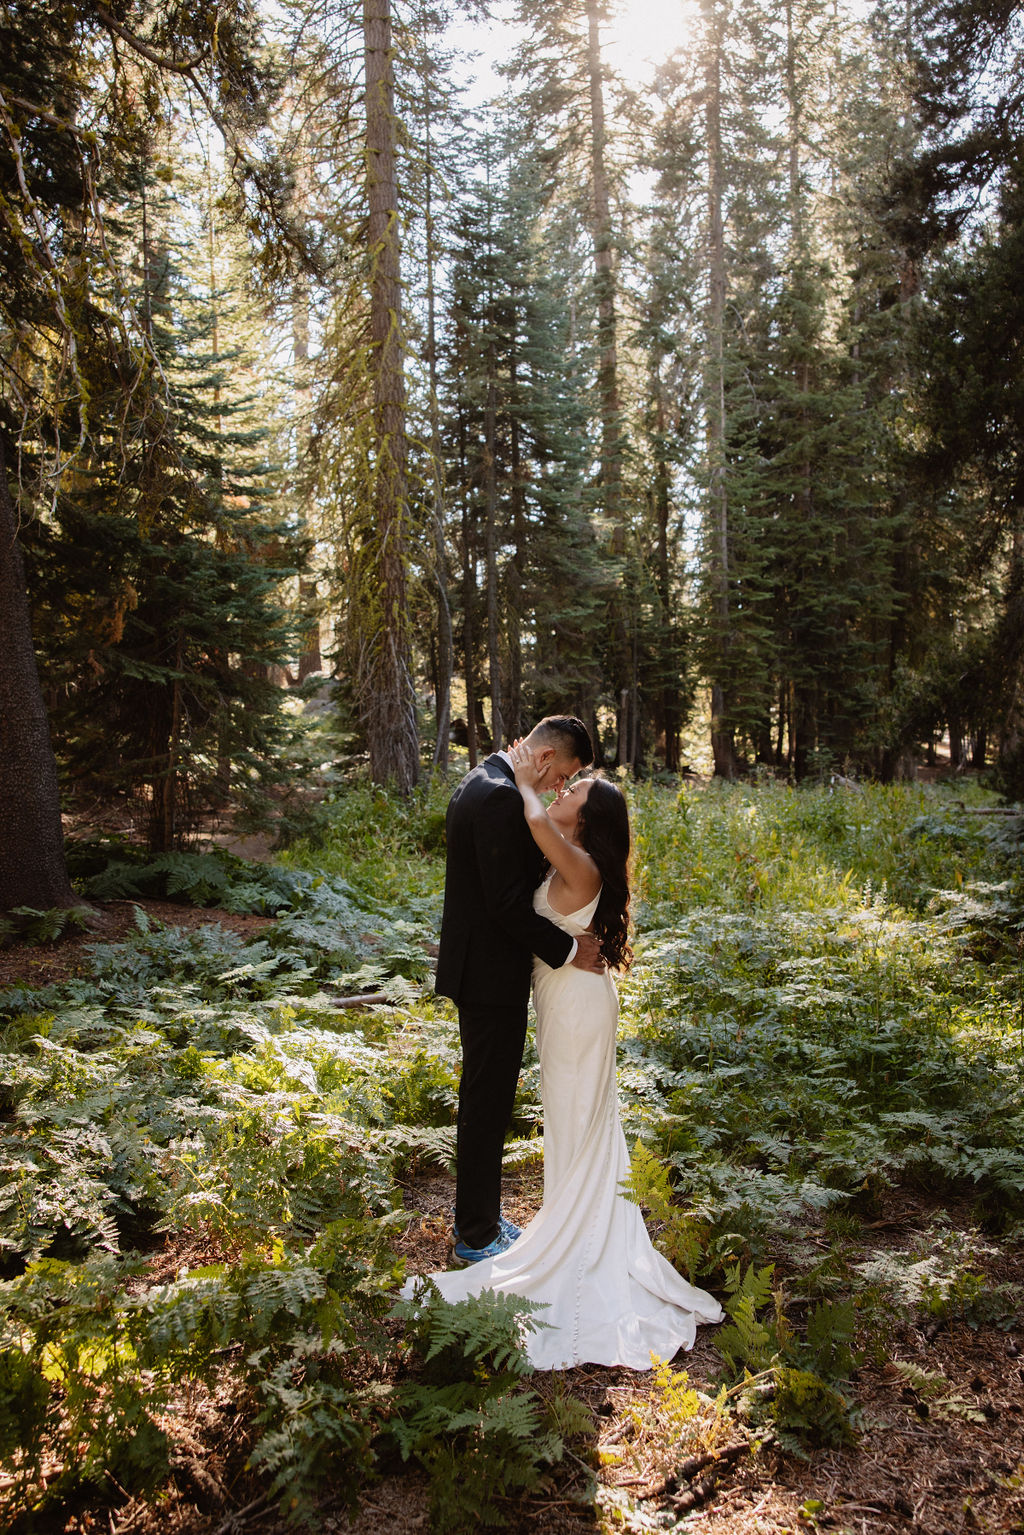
(828, 1001)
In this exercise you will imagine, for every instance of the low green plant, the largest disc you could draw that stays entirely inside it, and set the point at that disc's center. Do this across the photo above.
(939, 1280)
(73, 1389)
(387, 845)
(678, 1233)
(481, 1435)
(787, 1379)
(827, 1001)
(28, 925)
(938, 1394)
(290, 1326)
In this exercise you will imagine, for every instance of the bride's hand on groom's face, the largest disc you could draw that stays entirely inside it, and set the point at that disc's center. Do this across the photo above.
(588, 954)
(524, 765)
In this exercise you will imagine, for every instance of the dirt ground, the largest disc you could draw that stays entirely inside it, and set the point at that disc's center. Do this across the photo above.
(918, 1465)
(46, 964)
(914, 1468)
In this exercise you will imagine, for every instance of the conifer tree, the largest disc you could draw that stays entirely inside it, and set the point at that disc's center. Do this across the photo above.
(670, 343)
(565, 97)
(371, 184)
(517, 413)
(387, 701)
(65, 140)
(960, 624)
(710, 115)
(156, 580)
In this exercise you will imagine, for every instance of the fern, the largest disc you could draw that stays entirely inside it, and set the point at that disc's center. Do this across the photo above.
(681, 1235)
(484, 1330)
(829, 1342)
(933, 1387)
(432, 1145)
(468, 1420)
(312, 1428)
(793, 1383)
(806, 1410)
(746, 1342)
(32, 926)
(792, 1044)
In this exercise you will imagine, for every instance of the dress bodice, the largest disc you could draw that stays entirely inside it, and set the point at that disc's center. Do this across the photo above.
(576, 922)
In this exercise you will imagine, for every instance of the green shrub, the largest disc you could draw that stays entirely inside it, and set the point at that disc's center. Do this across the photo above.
(481, 1436)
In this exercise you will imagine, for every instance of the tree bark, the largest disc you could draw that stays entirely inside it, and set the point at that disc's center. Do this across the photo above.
(1010, 737)
(515, 724)
(310, 657)
(490, 544)
(609, 403)
(604, 284)
(445, 643)
(32, 868)
(387, 699)
(722, 744)
(669, 710)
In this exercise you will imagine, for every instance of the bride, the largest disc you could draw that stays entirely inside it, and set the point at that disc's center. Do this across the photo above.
(610, 1298)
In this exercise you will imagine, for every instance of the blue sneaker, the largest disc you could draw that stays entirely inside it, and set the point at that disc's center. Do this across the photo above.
(465, 1254)
(506, 1228)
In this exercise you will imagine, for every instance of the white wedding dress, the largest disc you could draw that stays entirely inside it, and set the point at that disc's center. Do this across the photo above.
(610, 1297)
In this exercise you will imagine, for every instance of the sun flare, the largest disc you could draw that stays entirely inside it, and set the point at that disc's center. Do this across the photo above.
(641, 34)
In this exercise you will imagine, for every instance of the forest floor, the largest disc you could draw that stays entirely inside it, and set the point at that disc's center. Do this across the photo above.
(937, 1452)
(44, 964)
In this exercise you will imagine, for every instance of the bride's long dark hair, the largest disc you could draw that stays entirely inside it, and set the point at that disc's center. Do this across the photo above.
(604, 834)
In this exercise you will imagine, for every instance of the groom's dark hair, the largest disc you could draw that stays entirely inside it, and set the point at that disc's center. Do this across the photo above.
(568, 734)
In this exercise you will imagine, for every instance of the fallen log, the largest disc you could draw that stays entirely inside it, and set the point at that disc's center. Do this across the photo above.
(692, 1467)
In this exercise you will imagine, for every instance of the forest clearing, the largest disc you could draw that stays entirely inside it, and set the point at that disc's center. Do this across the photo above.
(377, 379)
(213, 1169)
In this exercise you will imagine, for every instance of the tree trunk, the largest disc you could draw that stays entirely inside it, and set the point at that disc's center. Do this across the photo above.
(1010, 737)
(609, 404)
(515, 723)
(722, 743)
(669, 710)
(445, 645)
(468, 607)
(794, 130)
(387, 700)
(310, 656)
(490, 544)
(32, 868)
(604, 285)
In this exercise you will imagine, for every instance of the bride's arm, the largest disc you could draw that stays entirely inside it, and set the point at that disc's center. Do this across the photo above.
(576, 867)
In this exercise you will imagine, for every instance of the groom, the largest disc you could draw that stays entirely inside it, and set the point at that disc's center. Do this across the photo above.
(489, 935)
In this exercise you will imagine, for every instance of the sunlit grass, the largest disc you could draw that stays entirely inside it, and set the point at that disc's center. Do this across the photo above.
(388, 847)
(744, 847)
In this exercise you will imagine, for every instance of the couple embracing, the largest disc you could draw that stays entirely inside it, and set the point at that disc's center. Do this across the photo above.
(544, 894)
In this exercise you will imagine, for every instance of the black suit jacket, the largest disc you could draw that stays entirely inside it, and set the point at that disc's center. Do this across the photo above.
(490, 931)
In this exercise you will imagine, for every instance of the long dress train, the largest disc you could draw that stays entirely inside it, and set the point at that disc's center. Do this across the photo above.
(611, 1297)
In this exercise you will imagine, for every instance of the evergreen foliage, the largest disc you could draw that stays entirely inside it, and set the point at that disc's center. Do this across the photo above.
(634, 403)
(156, 580)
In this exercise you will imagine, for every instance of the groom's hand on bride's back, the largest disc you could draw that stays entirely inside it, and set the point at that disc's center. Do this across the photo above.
(588, 954)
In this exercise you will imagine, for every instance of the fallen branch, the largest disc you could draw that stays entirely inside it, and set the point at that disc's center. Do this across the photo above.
(692, 1467)
(696, 1496)
(233, 1521)
(990, 810)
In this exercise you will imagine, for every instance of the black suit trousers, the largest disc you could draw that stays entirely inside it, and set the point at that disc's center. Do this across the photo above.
(493, 1038)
